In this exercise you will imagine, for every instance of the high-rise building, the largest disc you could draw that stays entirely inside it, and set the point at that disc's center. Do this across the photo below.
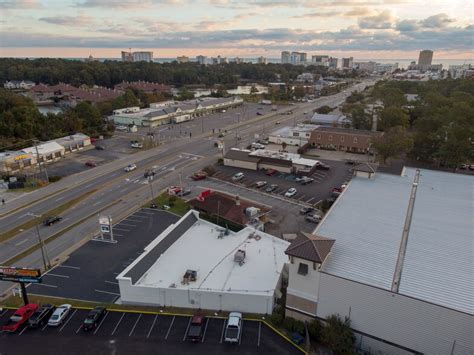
(127, 56)
(347, 63)
(285, 57)
(262, 60)
(333, 62)
(320, 60)
(182, 59)
(367, 67)
(202, 59)
(143, 56)
(425, 57)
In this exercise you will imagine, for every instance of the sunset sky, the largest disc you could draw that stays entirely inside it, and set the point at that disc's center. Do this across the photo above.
(378, 29)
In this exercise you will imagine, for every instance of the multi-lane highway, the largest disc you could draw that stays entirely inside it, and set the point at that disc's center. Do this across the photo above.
(116, 192)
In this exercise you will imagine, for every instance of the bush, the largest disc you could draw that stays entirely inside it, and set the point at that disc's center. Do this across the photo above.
(338, 335)
(209, 170)
(299, 327)
(276, 318)
(314, 329)
(54, 178)
(171, 201)
(220, 161)
(288, 324)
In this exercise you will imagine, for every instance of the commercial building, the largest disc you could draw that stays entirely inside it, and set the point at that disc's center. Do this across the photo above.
(127, 56)
(344, 139)
(19, 85)
(298, 135)
(269, 159)
(182, 59)
(333, 63)
(347, 63)
(297, 58)
(285, 57)
(320, 60)
(425, 57)
(394, 254)
(203, 60)
(197, 264)
(329, 120)
(385, 67)
(367, 67)
(12, 162)
(461, 71)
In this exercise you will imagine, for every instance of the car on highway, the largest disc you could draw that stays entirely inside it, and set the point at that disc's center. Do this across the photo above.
(137, 145)
(93, 318)
(291, 192)
(59, 314)
(260, 184)
(99, 147)
(91, 163)
(149, 173)
(239, 176)
(271, 188)
(259, 114)
(196, 328)
(130, 167)
(41, 316)
(313, 218)
(306, 210)
(200, 175)
(233, 328)
(52, 220)
(271, 172)
(19, 318)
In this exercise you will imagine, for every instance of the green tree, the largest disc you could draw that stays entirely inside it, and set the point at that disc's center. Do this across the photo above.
(359, 118)
(299, 92)
(391, 117)
(338, 335)
(393, 143)
(185, 94)
(324, 109)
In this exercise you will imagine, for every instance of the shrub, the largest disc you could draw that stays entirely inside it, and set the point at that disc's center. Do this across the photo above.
(220, 161)
(276, 318)
(314, 329)
(171, 201)
(338, 335)
(54, 178)
(288, 324)
(210, 170)
(299, 327)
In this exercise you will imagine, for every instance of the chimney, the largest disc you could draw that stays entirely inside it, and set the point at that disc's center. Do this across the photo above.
(237, 200)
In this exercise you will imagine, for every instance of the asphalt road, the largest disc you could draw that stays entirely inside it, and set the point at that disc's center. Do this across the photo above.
(110, 181)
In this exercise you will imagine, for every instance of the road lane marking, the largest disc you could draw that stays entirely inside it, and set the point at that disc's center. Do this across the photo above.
(66, 322)
(42, 284)
(123, 314)
(97, 203)
(139, 316)
(22, 242)
(59, 199)
(187, 328)
(102, 321)
(169, 329)
(153, 324)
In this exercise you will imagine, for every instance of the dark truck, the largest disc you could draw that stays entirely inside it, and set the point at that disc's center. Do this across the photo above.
(93, 318)
(41, 316)
(196, 328)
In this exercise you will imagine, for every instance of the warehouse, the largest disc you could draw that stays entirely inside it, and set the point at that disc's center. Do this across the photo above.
(396, 257)
(196, 264)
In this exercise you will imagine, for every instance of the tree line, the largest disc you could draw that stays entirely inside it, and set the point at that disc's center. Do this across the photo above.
(109, 73)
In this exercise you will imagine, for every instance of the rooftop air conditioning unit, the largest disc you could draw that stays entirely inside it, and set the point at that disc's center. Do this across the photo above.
(239, 257)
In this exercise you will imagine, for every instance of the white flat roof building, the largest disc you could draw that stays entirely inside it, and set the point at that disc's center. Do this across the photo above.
(202, 251)
(296, 159)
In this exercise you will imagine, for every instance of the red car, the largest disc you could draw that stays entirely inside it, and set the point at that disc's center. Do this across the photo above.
(199, 176)
(271, 172)
(19, 318)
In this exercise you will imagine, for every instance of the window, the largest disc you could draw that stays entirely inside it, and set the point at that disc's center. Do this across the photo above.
(296, 134)
(330, 137)
(355, 140)
(303, 269)
(342, 138)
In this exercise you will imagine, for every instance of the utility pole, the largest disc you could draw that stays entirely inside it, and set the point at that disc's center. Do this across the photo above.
(38, 160)
(202, 123)
(44, 252)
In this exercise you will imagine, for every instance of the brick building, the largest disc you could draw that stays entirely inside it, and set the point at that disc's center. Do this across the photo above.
(345, 139)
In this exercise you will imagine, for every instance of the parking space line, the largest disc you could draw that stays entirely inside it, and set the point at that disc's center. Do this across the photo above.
(222, 333)
(169, 329)
(205, 329)
(121, 229)
(110, 293)
(67, 321)
(23, 330)
(113, 332)
(153, 324)
(3, 313)
(139, 316)
(187, 328)
(70, 267)
(259, 330)
(102, 321)
(241, 331)
(127, 225)
(311, 199)
(131, 220)
(111, 282)
(63, 276)
(77, 331)
(44, 327)
(46, 285)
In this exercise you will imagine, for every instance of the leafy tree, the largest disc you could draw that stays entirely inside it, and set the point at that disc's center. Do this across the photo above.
(338, 335)
(283, 146)
(360, 119)
(324, 110)
(395, 142)
(299, 92)
(185, 94)
(391, 117)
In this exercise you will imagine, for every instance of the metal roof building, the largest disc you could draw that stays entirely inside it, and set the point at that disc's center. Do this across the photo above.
(402, 264)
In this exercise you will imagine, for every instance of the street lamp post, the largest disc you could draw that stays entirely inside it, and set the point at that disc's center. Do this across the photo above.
(150, 178)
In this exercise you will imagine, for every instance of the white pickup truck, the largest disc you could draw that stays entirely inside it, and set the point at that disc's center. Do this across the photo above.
(233, 330)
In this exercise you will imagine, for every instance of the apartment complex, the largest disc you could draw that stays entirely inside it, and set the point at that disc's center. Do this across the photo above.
(182, 59)
(320, 60)
(425, 57)
(142, 56)
(347, 63)
(285, 57)
(343, 139)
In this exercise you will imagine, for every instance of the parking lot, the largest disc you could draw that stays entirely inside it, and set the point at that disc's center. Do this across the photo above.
(126, 332)
(89, 273)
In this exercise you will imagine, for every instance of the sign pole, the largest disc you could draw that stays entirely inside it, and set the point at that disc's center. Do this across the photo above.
(23, 293)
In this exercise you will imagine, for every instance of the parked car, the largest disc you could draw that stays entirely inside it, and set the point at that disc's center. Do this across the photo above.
(19, 318)
(93, 318)
(271, 172)
(121, 128)
(306, 180)
(137, 145)
(91, 163)
(277, 122)
(59, 314)
(260, 184)
(184, 192)
(200, 175)
(99, 147)
(174, 190)
(291, 192)
(323, 166)
(306, 210)
(233, 328)
(41, 316)
(271, 188)
(238, 176)
(52, 220)
(196, 328)
(299, 179)
(257, 146)
(130, 167)
(350, 162)
(313, 218)
(471, 167)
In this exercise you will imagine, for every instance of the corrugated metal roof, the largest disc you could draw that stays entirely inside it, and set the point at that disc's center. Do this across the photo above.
(367, 223)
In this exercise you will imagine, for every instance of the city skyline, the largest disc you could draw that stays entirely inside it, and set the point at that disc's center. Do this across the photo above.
(375, 29)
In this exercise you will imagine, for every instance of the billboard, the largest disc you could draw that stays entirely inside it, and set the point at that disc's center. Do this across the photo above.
(18, 274)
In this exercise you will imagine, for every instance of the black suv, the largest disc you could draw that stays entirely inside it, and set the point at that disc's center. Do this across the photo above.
(41, 316)
(306, 210)
(93, 318)
(51, 220)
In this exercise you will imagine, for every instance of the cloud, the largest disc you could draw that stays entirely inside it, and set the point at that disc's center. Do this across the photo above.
(407, 25)
(19, 4)
(358, 12)
(437, 21)
(383, 20)
(74, 21)
(317, 14)
(126, 4)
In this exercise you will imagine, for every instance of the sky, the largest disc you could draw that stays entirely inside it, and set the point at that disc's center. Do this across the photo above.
(375, 29)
